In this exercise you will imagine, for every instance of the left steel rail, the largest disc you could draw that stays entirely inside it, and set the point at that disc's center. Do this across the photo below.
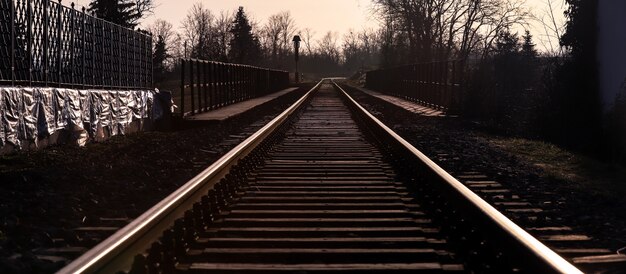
(117, 252)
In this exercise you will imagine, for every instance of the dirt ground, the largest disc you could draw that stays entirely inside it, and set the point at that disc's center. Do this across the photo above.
(590, 196)
(46, 194)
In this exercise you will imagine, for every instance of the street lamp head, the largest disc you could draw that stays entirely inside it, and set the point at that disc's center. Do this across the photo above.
(296, 41)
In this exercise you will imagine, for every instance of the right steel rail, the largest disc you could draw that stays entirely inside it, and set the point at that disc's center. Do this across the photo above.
(511, 237)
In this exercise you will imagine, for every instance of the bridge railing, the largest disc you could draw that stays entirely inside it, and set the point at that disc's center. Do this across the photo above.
(434, 84)
(207, 85)
(43, 43)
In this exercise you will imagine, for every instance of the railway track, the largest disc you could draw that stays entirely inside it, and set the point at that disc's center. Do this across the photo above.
(324, 187)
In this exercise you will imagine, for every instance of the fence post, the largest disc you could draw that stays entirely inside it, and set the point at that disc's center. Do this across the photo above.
(446, 86)
(150, 64)
(182, 88)
(111, 57)
(60, 42)
(236, 78)
(82, 49)
(44, 55)
(93, 51)
(29, 46)
(233, 82)
(222, 83)
(239, 83)
(216, 84)
(205, 69)
(12, 43)
(250, 79)
(71, 45)
(200, 84)
(205, 85)
(229, 75)
(119, 57)
(211, 85)
(145, 57)
(133, 59)
(228, 79)
(192, 87)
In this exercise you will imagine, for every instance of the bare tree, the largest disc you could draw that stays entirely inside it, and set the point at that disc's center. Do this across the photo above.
(205, 34)
(288, 29)
(223, 34)
(196, 27)
(165, 30)
(307, 37)
(370, 47)
(276, 37)
(441, 29)
(552, 29)
(270, 38)
(352, 50)
(328, 47)
(143, 8)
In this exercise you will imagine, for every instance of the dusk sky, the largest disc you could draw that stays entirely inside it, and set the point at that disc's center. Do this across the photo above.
(320, 15)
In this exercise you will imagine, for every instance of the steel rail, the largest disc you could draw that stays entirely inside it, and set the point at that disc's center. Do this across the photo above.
(528, 245)
(117, 252)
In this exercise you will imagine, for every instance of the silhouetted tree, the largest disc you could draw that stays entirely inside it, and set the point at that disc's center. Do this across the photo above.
(173, 48)
(159, 55)
(576, 118)
(528, 46)
(244, 45)
(276, 38)
(443, 29)
(203, 34)
(126, 13)
(506, 73)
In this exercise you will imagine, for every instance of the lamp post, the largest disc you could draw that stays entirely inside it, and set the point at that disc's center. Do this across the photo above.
(296, 46)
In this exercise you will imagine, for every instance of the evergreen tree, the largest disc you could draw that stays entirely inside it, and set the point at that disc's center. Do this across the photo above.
(159, 55)
(575, 102)
(121, 12)
(506, 72)
(244, 45)
(528, 64)
(528, 47)
(507, 44)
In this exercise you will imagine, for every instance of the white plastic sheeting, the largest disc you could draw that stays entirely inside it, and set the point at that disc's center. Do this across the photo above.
(27, 114)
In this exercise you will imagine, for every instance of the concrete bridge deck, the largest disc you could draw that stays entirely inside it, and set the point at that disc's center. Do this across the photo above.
(224, 113)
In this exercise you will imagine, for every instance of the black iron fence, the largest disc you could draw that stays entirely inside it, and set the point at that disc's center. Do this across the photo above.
(435, 84)
(43, 43)
(207, 85)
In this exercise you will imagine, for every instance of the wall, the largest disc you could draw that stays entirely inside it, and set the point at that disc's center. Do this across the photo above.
(32, 118)
(611, 49)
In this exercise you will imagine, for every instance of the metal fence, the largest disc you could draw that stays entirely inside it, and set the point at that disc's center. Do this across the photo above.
(212, 85)
(435, 84)
(43, 43)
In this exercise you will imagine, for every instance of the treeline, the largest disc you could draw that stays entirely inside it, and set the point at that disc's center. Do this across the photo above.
(510, 87)
(420, 31)
(235, 37)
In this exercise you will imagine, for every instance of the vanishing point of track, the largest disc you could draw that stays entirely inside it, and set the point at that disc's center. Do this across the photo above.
(325, 187)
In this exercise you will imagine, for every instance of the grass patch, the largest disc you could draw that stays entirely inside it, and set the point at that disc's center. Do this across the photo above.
(582, 173)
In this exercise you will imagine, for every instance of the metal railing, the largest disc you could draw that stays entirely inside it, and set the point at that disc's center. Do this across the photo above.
(43, 43)
(212, 85)
(434, 84)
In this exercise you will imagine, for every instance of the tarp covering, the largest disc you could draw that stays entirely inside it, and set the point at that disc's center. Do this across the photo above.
(32, 113)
